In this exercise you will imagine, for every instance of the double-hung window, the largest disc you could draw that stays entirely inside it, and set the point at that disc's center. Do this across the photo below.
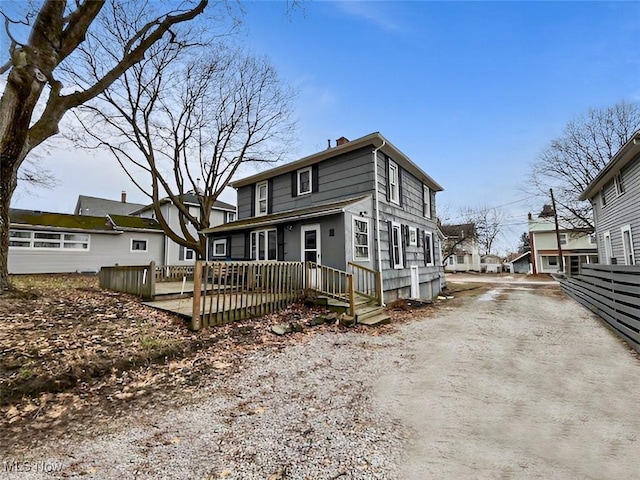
(619, 181)
(563, 238)
(393, 176)
(396, 246)
(361, 239)
(264, 245)
(428, 249)
(262, 193)
(413, 236)
(627, 245)
(304, 181)
(426, 201)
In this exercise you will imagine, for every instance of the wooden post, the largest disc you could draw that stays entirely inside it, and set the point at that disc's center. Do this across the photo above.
(352, 297)
(196, 319)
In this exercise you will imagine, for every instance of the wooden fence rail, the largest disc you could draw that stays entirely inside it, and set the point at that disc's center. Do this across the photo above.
(613, 293)
(174, 273)
(331, 282)
(228, 291)
(138, 279)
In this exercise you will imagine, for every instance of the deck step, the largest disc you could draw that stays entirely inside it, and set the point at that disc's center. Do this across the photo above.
(380, 319)
(368, 311)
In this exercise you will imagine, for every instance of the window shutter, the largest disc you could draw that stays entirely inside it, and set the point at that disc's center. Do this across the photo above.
(404, 230)
(391, 244)
(424, 248)
(247, 246)
(280, 240)
(294, 184)
(270, 195)
(386, 172)
(419, 234)
(181, 253)
(405, 234)
(253, 200)
(314, 178)
(400, 190)
(229, 247)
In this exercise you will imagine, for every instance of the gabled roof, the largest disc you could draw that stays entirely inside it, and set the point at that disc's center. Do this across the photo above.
(65, 221)
(189, 199)
(627, 153)
(466, 230)
(288, 216)
(373, 139)
(520, 257)
(99, 207)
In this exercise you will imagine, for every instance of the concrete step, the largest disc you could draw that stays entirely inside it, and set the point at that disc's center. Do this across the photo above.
(380, 319)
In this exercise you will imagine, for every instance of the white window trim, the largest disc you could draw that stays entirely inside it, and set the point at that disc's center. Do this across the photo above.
(428, 237)
(266, 244)
(603, 198)
(258, 198)
(608, 247)
(413, 236)
(426, 201)
(619, 182)
(394, 189)
(222, 242)
(400, 265)
(146, 245)
(368, 245)
(229, 219)
(566, 239)
(623, 229)
(31, 240)
(299, 173)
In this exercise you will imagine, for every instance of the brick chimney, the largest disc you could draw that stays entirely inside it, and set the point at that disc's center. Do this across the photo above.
(341, 141)
(123, 197)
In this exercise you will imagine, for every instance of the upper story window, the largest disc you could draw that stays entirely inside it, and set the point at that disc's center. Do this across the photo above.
(426, 201)
(619, 181)
(603, 197)
(393, 176)
(262, 193)
(304, 181)
(563, 239)
(231, 217)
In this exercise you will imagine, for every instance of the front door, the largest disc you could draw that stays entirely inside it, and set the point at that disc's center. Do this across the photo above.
(311, 244)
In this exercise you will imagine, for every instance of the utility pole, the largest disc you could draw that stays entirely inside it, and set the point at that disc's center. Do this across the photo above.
(555, 216)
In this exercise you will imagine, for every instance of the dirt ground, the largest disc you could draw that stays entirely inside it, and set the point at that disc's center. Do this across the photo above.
(516, 382)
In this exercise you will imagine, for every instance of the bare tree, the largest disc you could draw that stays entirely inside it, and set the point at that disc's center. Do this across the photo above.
(488, 223)
(34, 70)
(180, 125)
(458, 239)
(570, 162)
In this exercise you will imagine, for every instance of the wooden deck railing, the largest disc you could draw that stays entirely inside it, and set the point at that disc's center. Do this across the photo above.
(366, 281)
(174, 273)
(331, 282)
(138, 279)
(228, 291)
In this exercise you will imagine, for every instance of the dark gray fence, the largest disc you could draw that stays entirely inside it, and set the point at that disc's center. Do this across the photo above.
(612, 292)
(139, 279)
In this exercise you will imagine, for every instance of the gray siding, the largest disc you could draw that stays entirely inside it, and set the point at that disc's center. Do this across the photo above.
(619, 211)
(104, 250)
(346, 176)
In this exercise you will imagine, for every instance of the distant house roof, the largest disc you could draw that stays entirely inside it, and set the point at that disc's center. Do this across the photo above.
(374, 139)
(521, 258)
(188, 199)
(466, 230)
(627, 153)
(65, 221)
(99, 207)
(288, 216)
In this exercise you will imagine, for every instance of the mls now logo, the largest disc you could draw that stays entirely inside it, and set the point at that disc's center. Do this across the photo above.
(34, 466)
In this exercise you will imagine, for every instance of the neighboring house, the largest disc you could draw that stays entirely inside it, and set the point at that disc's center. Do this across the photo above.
(490, 264)
(42, 242)
(578, 245)
(99, 207)
(615, 197)
(175, 254)
(461, 248)
(362, 201)
(521, 263)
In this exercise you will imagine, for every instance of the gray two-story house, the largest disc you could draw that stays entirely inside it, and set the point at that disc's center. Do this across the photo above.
(362, 201)
(615, 196)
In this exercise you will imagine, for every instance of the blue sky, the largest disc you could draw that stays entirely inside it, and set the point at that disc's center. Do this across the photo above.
(471, 91)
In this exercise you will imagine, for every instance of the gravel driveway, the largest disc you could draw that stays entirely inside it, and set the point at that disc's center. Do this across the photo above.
(510, 383)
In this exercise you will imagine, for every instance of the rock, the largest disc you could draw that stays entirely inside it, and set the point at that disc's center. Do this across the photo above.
(281, 329)
(440, 297)
(331, 317)
(295, 327)
(319, 320)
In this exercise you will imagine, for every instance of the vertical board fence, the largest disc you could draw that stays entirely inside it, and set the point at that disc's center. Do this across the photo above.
(227, 291)
(610, 291)
(174, 273)
(138, 279)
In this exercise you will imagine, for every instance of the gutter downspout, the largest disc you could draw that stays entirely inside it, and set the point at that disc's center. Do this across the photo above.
(377, 207)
